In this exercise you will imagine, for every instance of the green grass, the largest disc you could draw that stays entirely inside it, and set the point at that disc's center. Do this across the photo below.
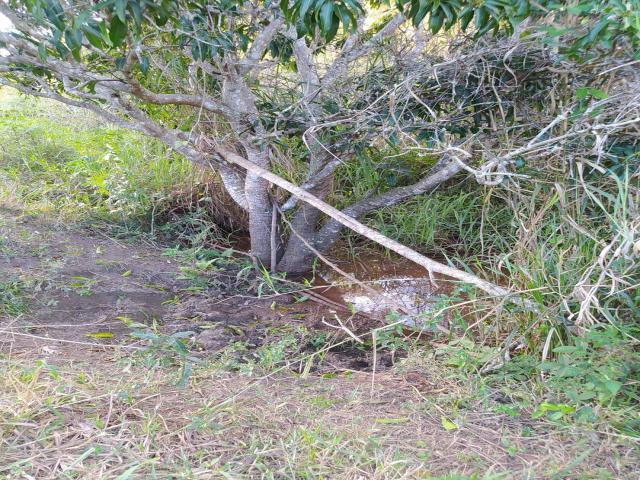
(12, 297)
(62, 161)
(71, 419)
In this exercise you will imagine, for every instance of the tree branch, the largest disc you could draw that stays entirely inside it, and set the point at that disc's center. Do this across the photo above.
(442, 172)
(260, 44)
(337, 69)
(431, 265)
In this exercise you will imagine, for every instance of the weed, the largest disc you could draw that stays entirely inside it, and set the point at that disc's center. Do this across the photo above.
(275, 353)
(83, 285)
(12, 297)
(164, 350)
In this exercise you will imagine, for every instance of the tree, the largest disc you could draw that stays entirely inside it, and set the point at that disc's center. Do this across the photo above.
(305, 84)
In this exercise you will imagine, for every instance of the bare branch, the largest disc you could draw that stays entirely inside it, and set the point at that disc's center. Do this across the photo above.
(339, 66)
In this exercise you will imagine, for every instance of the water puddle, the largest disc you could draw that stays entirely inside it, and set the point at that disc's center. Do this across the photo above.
(390, 285)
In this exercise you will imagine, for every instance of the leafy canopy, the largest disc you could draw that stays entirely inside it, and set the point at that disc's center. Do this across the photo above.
(112, 25)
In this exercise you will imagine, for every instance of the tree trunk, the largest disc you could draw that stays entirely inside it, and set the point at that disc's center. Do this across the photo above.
(297, 257)
(248, 129)
(259, 207)
(430, 265)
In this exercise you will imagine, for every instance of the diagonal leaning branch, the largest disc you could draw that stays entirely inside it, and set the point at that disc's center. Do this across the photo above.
(432, 266)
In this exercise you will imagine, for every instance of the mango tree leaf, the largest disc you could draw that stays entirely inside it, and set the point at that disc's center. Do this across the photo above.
(117, 32)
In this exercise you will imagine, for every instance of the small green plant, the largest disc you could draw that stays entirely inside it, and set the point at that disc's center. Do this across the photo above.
(164, 350)
(319, 340)
(391, 337)
(12, 297)
(600, 367)
(554, 411)
(83, 285)
(275, 353)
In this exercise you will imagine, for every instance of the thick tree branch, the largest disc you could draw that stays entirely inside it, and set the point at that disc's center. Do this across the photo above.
(431, 265)
(198, 101)
(330, 232)
(234, 183)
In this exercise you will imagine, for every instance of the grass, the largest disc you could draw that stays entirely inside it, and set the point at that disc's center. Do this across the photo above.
(12, 300)
(569, 241)
(562, 401)
(79, 168)
(71, 420)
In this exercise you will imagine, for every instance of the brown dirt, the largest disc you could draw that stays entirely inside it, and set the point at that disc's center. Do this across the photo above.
(86, 285)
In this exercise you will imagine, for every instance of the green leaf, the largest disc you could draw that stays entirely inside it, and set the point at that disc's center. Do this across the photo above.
(137, 13)
(585, 92)
(284, 6)
(187, 368)
(304, 7)
(128, 473)
(54, 12)
(555, 411)
(465, 18)
(566, 349)
(448, 13)
(448, 424)
(104, 34)
(613, 386)
(42, 51)
(392, 421)
(73, 39)
(326, 16)
(482, 17)
(144, 68)
(421, 13)
(117, 32)
(60, 48)
(100, 335)
(597, 30)
(120, 9)
(333, 30)
(435, 22)
(93, 34)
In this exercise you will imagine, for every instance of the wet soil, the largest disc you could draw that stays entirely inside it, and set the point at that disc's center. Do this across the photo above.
(85, 290)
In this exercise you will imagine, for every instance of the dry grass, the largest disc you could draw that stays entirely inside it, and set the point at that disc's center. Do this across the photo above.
(102, 414)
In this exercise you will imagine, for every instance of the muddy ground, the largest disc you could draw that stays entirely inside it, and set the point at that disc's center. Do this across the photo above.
(86, 289)
(83, 293)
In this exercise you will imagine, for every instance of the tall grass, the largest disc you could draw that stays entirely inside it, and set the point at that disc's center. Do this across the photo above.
(570, 241)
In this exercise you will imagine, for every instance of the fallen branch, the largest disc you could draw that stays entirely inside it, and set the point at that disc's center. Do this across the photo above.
(430, 265)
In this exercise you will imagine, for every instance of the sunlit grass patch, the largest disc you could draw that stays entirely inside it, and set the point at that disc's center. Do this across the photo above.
(63, 161)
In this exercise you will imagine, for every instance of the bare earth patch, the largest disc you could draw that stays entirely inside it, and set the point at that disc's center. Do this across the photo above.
(80, 397)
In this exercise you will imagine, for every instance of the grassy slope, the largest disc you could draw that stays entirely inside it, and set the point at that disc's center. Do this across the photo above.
(505, 425)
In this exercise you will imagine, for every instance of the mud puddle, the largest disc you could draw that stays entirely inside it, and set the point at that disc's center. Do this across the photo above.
(386, 284)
